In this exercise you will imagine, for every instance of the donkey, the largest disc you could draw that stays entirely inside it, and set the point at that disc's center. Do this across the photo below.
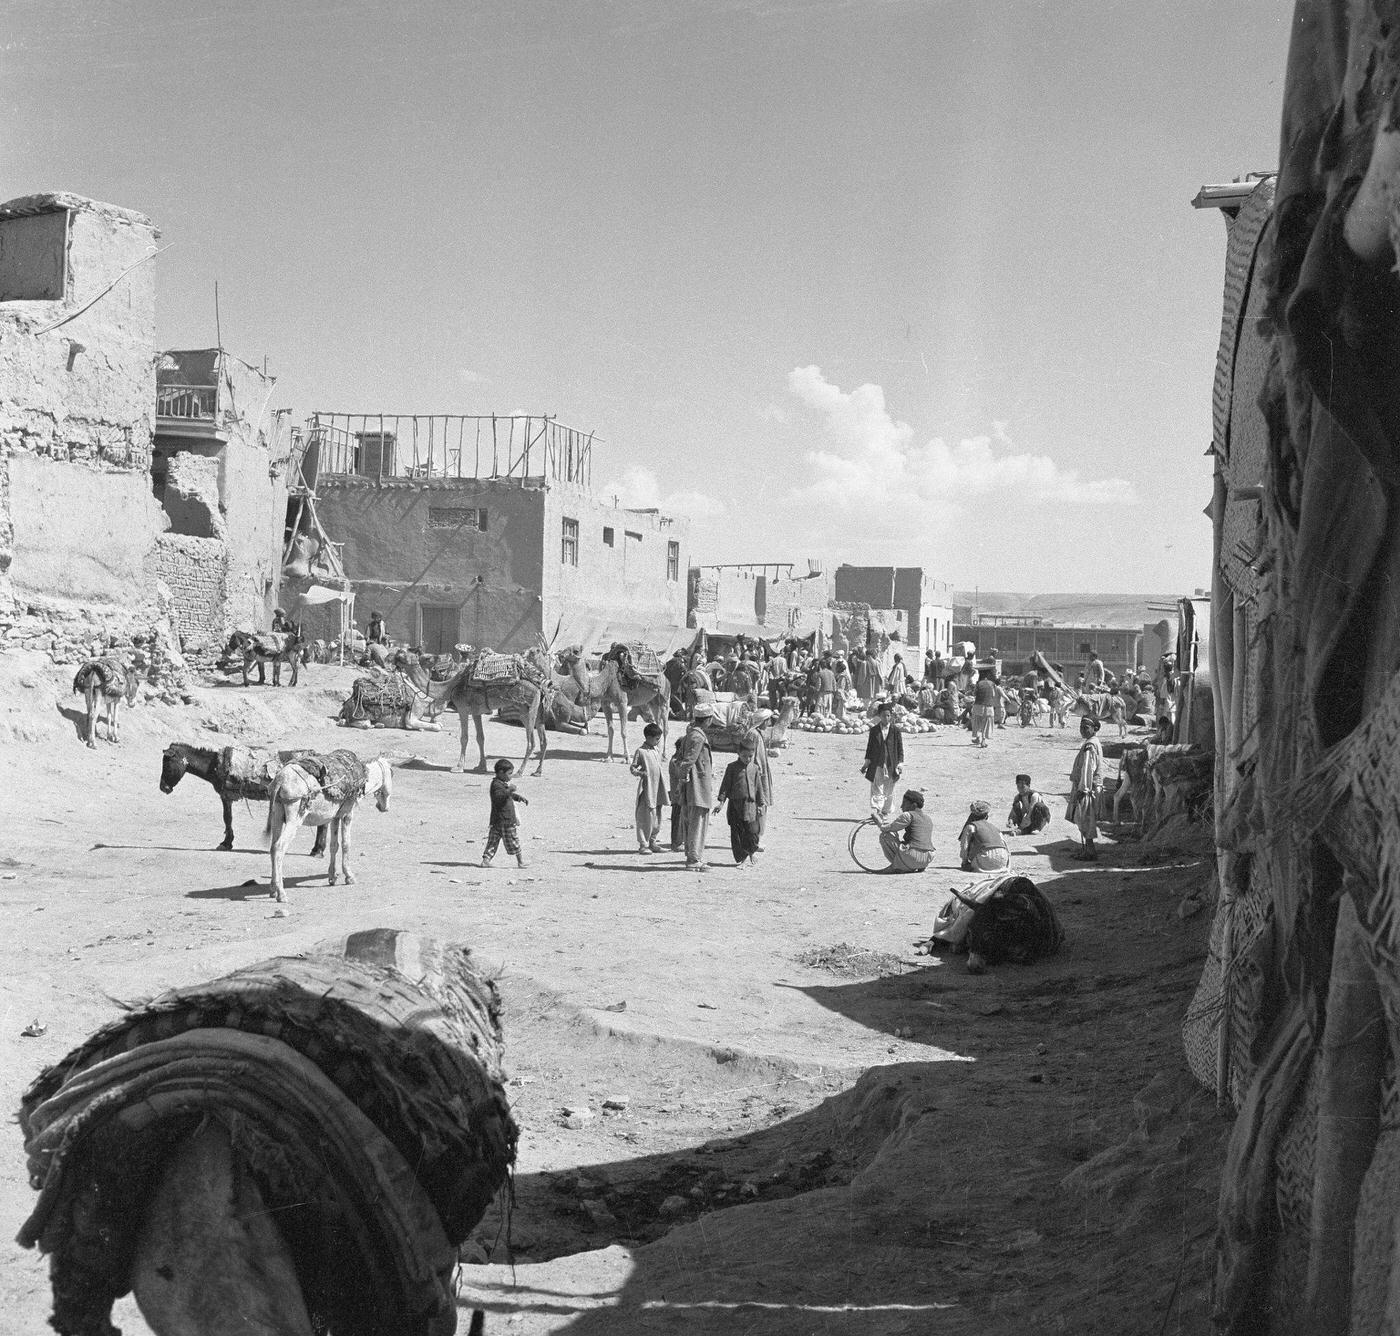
(233, 773)
(105, 682)
(299, 799)
(262, 648)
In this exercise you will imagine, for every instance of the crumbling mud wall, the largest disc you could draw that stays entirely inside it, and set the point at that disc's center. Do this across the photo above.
(78, 523)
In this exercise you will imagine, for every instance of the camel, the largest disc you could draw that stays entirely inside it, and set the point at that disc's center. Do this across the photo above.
(243, 774)
(522, 699)
(104, 683)
(651, 700)
(298, 799)
(395, 701)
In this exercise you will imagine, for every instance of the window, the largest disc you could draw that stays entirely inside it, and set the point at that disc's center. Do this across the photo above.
(569, 548)
(673, 561)
(607, 536)
(33, 257)
(456, 517)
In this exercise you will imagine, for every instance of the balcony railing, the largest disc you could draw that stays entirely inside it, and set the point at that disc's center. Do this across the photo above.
(450, 445)
(198, 403)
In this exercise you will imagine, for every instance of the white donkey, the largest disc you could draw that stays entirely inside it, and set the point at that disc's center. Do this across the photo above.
(298, 800)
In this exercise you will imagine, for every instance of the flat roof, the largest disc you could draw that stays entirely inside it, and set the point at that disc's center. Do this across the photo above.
(53, 200)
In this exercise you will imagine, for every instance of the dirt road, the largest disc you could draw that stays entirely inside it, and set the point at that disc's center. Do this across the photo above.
(715, 1135)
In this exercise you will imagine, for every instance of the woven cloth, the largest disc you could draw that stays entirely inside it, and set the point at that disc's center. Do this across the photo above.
(247, 772)
(108, 674)
(340, 775)
(489, 669)
(359, 1084)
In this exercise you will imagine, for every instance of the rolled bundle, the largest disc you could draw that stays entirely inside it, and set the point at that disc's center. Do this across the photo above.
(359, 1088)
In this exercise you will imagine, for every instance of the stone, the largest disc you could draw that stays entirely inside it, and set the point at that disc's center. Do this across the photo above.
(673, 1206)
(616, 1102)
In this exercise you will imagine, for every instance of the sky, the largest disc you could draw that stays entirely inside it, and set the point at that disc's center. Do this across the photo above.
(905, 282)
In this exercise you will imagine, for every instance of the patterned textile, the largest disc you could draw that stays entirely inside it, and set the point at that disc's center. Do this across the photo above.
(247, 773)
(108, 673)
(491, 670)
(361, 1085)
(340, 774)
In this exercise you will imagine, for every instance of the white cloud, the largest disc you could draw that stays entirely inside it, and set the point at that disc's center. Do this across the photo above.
(469, 377)
(639, 489)
(874, 465)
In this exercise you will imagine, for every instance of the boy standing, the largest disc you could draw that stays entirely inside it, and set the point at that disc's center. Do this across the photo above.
(884, 760)
(651, 789)
(1086, 783)
(746, 791)
(677, 789)
(505, 825)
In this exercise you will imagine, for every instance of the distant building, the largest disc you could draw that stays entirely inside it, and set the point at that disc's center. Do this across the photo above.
(926, 603)
(1120, 647)
(769, 599)
(484, 530)
(219, 470)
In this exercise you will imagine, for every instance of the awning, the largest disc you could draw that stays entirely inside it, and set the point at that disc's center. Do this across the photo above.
(322, 594)
(598, 633)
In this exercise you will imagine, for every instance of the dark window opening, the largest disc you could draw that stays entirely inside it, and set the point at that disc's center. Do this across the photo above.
(607, 536)
(34, 257)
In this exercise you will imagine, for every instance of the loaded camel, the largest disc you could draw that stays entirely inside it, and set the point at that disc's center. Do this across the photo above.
(320, 791)
(651, 700)
(233, 773)
(105, 682)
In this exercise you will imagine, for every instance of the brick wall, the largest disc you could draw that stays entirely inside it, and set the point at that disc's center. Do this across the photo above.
(196, 572)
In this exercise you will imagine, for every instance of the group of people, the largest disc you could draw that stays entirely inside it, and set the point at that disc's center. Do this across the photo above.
(906, 838)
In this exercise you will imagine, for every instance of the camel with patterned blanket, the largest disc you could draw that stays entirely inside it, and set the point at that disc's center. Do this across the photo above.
(393, 700)
(651, 698)
(322, 791)
(105, 683)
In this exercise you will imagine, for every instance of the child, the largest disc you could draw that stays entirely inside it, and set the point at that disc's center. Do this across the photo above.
(651, 789)
(505, 827)
(746, 791)
(677, 790)
(1030, 813)
(1118, 713)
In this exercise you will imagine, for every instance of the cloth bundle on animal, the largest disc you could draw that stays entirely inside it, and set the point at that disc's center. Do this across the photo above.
(110, 674)
(244, 773)
(377, 698)
(357, 1094)
(341, 774)
(489, 670)
(639, 663)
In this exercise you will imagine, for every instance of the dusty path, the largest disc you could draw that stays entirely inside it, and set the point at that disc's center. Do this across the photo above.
(795, 1150)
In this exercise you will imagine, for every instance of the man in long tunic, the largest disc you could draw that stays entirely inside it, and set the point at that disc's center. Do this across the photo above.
(1086, 783)
(697, 782)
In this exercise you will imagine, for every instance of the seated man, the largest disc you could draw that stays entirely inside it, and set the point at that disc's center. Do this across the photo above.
(914, 851)
(981, 844)
(1030, 813)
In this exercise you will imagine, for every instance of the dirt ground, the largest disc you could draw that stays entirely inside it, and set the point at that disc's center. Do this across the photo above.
(715, 1135)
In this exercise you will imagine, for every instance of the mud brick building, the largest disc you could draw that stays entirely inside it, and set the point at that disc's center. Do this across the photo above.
(136, 491)
(484, 531)
(927, 603)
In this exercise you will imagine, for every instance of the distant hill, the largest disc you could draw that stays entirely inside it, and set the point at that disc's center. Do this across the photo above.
(1072, 609)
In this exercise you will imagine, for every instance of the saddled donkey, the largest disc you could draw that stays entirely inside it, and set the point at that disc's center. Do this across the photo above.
(262, 648)
(233, 773)
(105, 683)
(322, 791)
